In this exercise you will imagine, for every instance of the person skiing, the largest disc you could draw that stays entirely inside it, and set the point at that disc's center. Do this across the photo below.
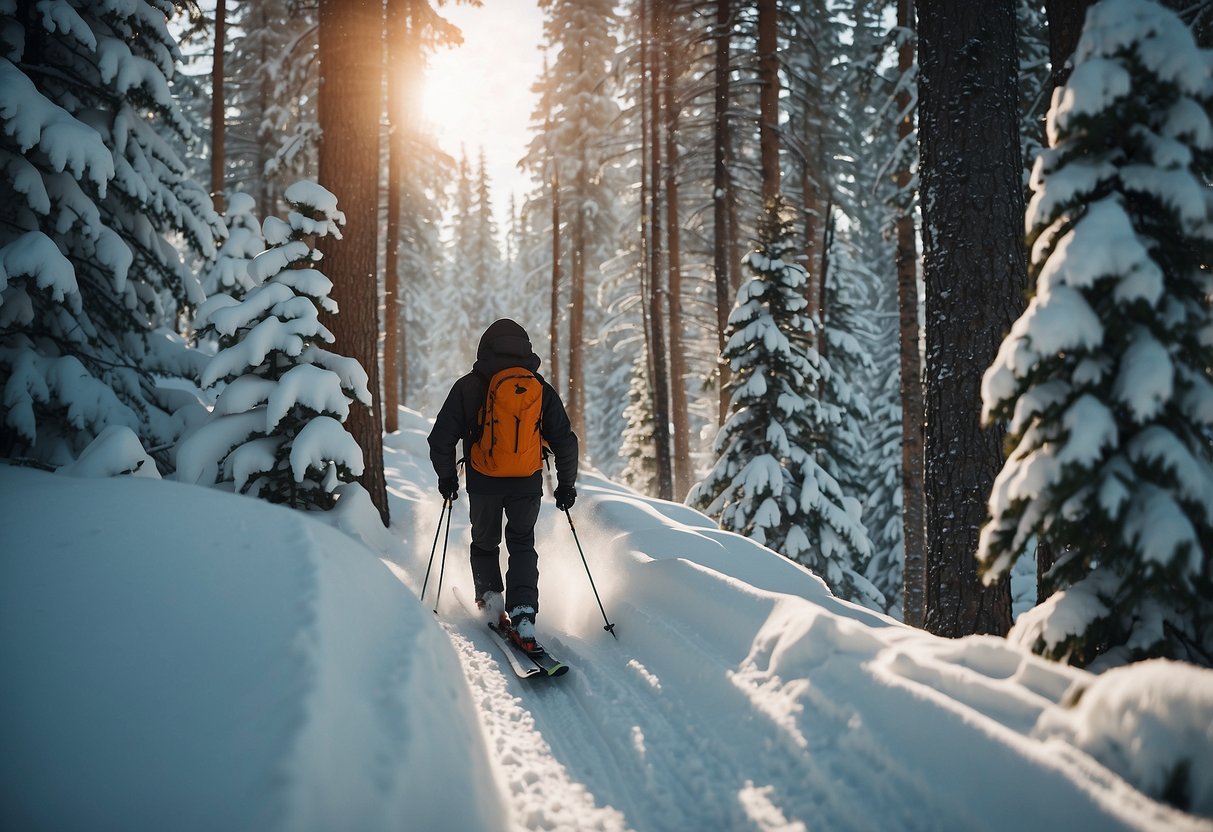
(504, 413)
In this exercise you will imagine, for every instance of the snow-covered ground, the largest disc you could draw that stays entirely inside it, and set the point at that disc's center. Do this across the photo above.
(179, 658)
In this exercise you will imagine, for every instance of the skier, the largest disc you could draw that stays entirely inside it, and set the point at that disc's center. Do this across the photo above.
(504, 413)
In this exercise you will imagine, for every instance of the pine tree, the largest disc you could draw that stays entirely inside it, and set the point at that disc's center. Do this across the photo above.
(229, 273)
(1106, 380)
(767, 483)
(276, 431)
(91, 191)
(639, 471)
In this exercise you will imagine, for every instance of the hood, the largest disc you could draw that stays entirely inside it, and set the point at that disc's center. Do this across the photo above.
(504, 344)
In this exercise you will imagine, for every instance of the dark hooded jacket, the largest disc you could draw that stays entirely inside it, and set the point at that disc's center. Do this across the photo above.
(504, 344)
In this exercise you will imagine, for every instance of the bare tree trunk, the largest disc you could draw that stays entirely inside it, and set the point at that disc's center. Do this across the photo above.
(351, 72)
(657, 349)
(768, 99)
(912, 517)
(554, 318)
(218, 120)
(972, 204)
(721, 188)
(397, 36)
(678, 364)
(577, 314)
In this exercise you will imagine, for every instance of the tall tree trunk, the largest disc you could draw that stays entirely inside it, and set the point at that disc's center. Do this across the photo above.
(768, 97)
(812, 185)
(975, 271)
(657, 350)
(554, 306)
(397, 36)
(577, 397)
(721, 188)
(912, 509)
(351, 72)
(218, 119)
(678, 364)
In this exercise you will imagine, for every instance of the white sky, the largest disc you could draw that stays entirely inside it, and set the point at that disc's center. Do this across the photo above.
(480, 93)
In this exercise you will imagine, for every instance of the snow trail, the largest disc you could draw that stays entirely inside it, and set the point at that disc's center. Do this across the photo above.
(741, 694)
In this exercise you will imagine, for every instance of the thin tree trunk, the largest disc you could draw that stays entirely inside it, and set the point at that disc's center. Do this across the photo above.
(768, 97)
(218, 120)
(973, 263)
(812, 177)
(577, 312)
(658, 357)
(913, 528)
(554, 306)
(351, 72)
(396, 36)
(678, 368)
(720, 200)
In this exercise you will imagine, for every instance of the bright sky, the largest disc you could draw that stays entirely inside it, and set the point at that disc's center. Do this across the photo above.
(479, 94)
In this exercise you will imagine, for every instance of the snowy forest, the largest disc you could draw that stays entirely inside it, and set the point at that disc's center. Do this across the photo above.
(917, 295)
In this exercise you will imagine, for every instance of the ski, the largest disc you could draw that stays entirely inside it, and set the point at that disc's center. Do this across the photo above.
(525, 664)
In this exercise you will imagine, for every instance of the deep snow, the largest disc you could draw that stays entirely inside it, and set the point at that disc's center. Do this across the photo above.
(177, 657)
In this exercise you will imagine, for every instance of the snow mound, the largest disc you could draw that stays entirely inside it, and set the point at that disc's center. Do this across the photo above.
(219, 663)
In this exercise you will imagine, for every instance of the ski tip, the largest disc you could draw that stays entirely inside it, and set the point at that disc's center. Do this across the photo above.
(558, 670)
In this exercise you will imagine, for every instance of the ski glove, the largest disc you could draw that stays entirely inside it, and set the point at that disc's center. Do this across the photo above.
(565, 496)
(448, 487)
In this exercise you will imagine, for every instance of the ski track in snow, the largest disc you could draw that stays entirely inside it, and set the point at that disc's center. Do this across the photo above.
(685, 722)
(606, 746)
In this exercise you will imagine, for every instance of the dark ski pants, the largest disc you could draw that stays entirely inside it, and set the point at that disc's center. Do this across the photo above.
(522, 576)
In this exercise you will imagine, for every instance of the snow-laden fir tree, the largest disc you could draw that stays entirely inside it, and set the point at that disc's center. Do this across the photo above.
(229, 273)
(640, 469)
(1105, 381)
(276, 431)
(91, 191)
(767, 482)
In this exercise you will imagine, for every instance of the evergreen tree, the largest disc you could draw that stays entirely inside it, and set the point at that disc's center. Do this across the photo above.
(767, 483)
(276, 431)
(639, 471)
(1106, 381)
(229, 273)
(91, 191)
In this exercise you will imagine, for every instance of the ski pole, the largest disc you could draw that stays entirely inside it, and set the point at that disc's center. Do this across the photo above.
(610, 628)
(446, 506)
(446, 538)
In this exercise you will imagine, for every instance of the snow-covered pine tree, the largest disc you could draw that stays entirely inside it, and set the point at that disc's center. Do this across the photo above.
(639, 471)
(229, 273)
(276, 431)
(1105, 381)
(767, 483)
(91, 189)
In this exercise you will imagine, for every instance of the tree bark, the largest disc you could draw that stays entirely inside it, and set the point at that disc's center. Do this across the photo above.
(218, 119)
(975, 273)
(554, 316)
(768, 97)
(577, 399)
(393, 363)
(657, 350)
(721, 189)
(912, 511)
(348, 104)
(678, 368)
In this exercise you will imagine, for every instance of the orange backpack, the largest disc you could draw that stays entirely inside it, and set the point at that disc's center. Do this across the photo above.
(509, 444)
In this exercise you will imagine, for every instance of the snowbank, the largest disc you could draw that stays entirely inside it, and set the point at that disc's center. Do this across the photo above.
(180, 658)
